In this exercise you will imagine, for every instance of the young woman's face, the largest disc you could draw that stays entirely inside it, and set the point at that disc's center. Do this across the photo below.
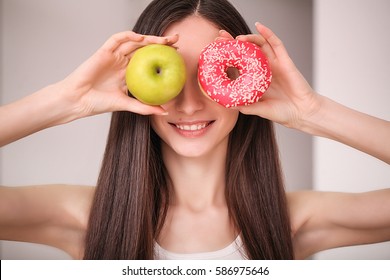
(195, 125)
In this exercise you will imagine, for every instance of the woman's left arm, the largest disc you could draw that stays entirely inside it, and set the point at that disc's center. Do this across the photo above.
(325, 220)
(292, 102)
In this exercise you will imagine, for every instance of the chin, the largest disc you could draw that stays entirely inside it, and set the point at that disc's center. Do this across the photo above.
(192, 150)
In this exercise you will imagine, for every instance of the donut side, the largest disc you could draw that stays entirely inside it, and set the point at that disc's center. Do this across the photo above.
(249, 62)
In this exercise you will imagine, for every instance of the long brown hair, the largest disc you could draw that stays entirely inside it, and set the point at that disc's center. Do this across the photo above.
(132, 196)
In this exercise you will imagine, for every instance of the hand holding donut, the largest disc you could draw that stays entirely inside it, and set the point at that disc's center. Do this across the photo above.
(98, 85)
(289, 99)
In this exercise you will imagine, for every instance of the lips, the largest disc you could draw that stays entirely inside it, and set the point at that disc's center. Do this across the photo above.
(192, 127)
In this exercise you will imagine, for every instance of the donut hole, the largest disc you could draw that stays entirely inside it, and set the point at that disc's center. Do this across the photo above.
(232, 72)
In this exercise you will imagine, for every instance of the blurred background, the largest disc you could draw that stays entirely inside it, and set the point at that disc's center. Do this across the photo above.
(341, 47)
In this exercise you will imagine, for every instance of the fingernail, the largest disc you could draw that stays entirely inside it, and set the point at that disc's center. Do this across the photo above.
(138, 37)
(163, 114)
(172, 37)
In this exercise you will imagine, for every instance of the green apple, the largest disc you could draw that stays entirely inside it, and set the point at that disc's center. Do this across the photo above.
(155, 74)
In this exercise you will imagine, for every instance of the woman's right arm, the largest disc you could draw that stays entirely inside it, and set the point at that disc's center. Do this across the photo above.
(57, 215)
(54, 215)
(96, 86)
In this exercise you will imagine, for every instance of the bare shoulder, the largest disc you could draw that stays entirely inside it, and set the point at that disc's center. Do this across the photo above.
(55, 215)
(348, 218)
(31, 203)
(307, 222)
(300, 205)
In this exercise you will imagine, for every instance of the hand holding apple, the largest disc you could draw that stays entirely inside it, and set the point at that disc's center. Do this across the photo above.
(98, 85)
(155, 74)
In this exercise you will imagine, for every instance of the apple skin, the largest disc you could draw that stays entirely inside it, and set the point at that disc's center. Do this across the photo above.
(155, 74)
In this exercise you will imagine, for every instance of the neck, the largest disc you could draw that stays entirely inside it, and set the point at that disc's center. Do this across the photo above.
(197, 182)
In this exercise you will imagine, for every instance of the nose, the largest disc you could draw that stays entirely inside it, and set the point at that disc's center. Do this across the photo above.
(191, 99)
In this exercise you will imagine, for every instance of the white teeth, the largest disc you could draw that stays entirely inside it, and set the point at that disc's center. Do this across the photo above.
(192, 127)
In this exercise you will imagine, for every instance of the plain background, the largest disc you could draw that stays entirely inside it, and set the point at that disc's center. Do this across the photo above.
(341, 47)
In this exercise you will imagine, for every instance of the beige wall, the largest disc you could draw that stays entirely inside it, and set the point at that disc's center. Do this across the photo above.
(352, 42)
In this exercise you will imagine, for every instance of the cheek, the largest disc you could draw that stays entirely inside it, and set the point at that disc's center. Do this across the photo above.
(169, 105)
(156, 124)
(230, 116)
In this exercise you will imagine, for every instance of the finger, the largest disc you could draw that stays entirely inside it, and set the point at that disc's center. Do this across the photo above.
(164, 40)
(144, 109)
(225, 34)
(222, 39)
(127, 103)
(259, 109)
(254, 38)
(274, 41)
(260, 41)
(130, 47)
(119, 38)
(127, 48)
(172, 39)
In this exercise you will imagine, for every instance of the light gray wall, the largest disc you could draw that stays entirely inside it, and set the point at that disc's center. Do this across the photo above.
(44, 40)
(351, 58)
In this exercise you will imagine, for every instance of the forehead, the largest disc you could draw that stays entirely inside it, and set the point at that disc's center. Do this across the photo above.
(194, 32)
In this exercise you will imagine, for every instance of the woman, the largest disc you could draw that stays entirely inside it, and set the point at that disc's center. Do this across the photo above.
(216, 189)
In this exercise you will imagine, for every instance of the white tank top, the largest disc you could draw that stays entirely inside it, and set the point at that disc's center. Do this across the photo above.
(234, 251)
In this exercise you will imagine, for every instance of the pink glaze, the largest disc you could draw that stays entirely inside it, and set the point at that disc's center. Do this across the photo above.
(254, 72)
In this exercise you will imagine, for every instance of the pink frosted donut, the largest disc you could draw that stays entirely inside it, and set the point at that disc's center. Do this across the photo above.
(233, 73)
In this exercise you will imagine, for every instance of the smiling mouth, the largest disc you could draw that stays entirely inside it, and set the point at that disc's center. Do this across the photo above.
(192, 127)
